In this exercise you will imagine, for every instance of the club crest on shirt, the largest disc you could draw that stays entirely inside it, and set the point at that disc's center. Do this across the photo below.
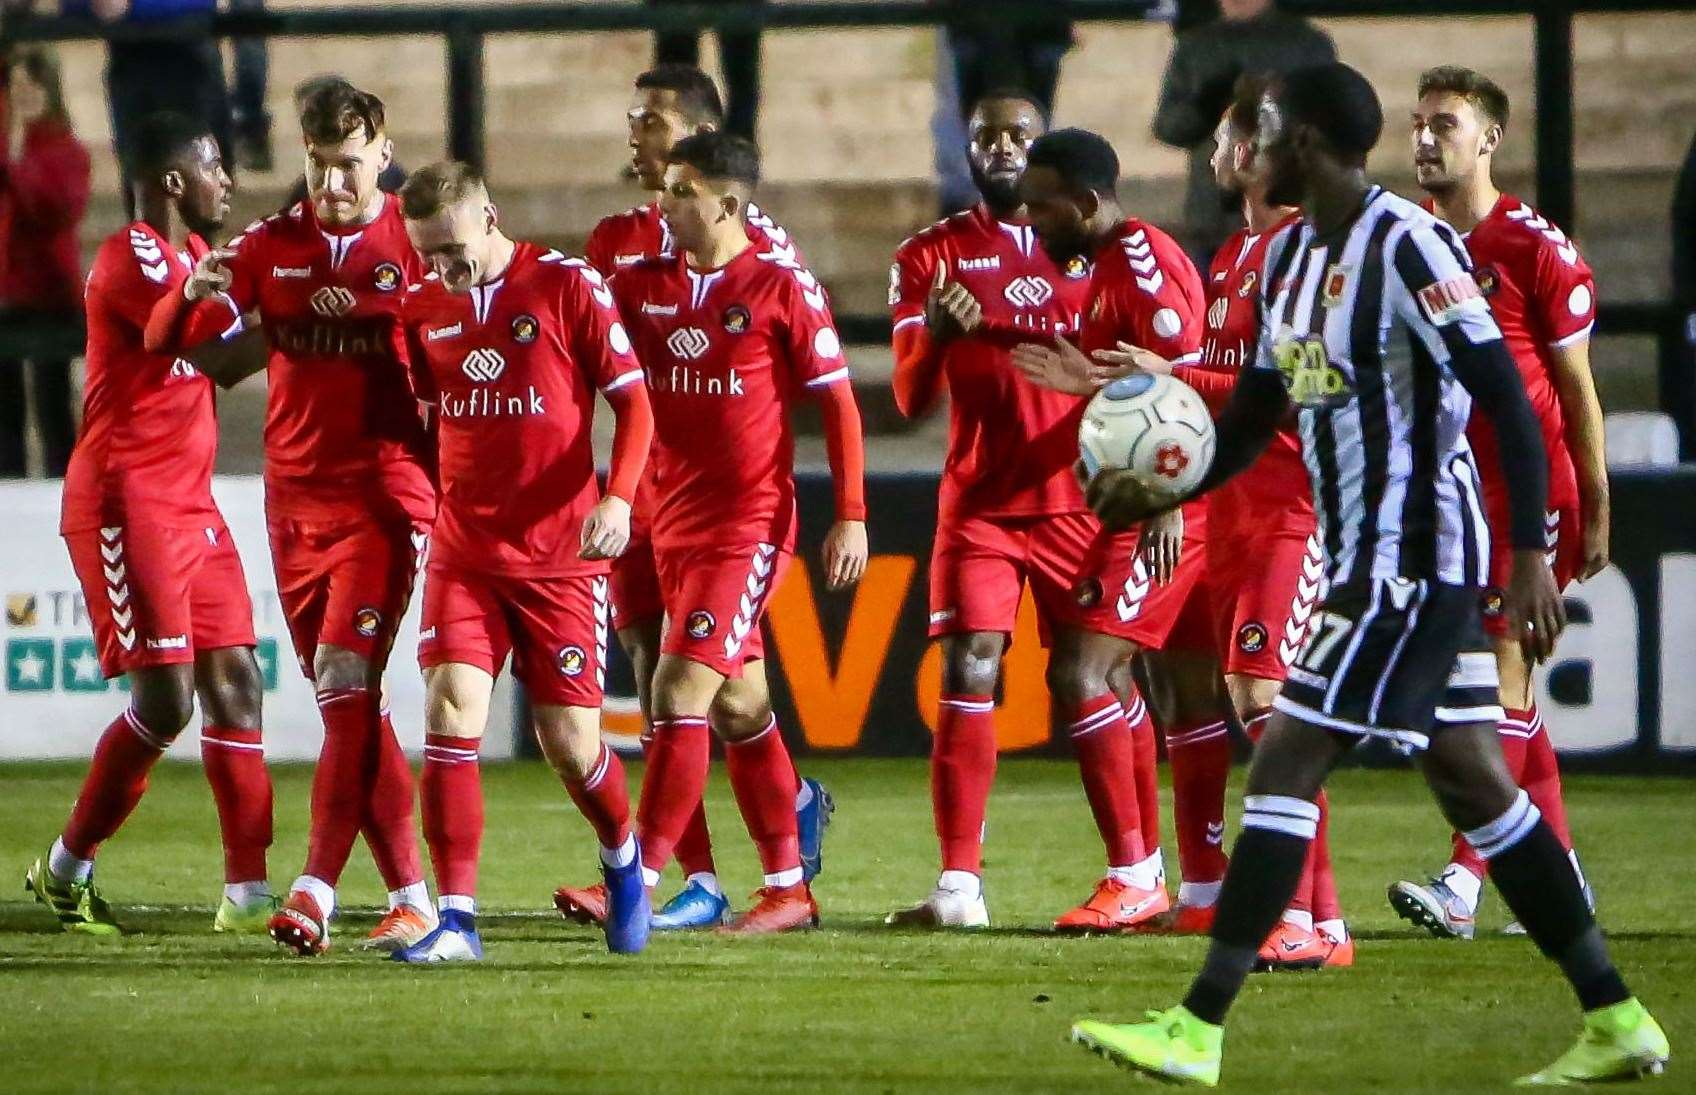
(1087, 593)
(1489, 281)
(1250, 280)
(571, 660)
(736, 319)
(367, 621)
(699, 624)
(1492, 602)
(1075, 268)
(525, 329)
(1251, 637)
(386, 277)
(1336, 283)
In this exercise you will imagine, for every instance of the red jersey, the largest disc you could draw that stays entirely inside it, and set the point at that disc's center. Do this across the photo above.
(624, 239)
(727, 352)
(1277, 482)
(513, 367)
(342, 430)
(1145, 291)
(1010, 445)
(1543, 295)
(149, 425)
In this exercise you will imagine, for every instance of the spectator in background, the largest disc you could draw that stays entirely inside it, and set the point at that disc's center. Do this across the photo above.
(249, 120)
(1249, 36)
(44, 183)
(739, 56)
(144, 77)
(1678, 377)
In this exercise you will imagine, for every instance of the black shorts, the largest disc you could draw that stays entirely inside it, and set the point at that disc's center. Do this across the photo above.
(1395, 658)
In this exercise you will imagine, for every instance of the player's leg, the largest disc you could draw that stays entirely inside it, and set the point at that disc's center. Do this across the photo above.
(232, 754)
(1079, 668)
(1529, 866)
(456, 712)
(1187, 689)
(136, 583)
(231, 688)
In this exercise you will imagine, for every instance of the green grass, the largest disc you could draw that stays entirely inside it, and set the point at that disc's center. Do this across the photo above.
(171, 1006)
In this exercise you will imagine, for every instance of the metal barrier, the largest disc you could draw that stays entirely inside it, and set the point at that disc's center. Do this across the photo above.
(463, 31)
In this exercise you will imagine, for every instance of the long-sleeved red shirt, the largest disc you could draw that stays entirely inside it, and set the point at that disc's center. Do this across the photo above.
(43, 196)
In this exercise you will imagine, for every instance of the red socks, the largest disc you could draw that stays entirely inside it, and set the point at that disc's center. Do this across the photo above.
(1106, 753)
(341, 782)
(672, 785)
(1147, 752)
(1530, 757)
(1322, 897)
(116, 779)
(1201, 766)
(452, 795)
(694, 849)
(962, 768)
(763, 778)
(387, 821)
(234, 760)
(603, 797)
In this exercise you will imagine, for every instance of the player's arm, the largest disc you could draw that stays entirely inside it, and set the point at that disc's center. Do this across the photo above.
(1566, 298)
(601, 347)
(1443, 306)
(815, 354)
(204, 320)
(923, 325)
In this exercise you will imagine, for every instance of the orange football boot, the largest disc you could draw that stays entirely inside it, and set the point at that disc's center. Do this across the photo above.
(400, 927)
(1191, 919)
(1341, 954)
(1292, 947)
(585, 905)
(1116, 906)
(776, 909)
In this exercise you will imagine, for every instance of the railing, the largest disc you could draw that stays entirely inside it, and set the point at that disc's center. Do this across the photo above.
(463, 31)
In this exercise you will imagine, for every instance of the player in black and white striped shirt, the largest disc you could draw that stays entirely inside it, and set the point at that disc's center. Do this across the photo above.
(1376, 331)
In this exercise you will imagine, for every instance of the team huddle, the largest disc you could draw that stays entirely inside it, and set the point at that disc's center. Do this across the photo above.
(1343, 572)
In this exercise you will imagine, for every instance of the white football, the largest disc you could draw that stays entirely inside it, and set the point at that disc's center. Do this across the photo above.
(1156, 427)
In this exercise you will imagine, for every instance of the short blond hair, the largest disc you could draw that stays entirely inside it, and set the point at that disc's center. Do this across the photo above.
(434, 187)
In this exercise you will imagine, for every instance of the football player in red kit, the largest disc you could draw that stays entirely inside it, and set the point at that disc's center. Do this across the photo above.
(1143, 291)
(511, 341)
(1544, 298)
(348, 491)
(730, 336)
(670, 102)
(159, 573)
(1263, 566)
(964, 292)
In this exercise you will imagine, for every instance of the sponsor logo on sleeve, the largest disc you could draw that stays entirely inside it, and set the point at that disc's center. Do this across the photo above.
(1445, 301)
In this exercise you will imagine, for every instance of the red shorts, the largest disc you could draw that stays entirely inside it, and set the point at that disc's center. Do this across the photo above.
(715, 600)
(157, 595)
(1265, 587)
(636, 585)
(345, 583)
(1563, 537)
(554, 628)
(1080, 578)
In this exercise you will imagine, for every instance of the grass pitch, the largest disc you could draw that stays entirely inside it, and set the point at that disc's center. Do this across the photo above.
(853, 1007)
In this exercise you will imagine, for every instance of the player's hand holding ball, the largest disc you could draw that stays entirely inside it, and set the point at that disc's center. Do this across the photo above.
(606, 531)
(1144, 444)
(210, 276)
(1536, 611)
(845, 553)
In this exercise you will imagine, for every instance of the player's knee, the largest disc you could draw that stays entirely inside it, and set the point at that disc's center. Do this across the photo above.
(1076, 680)
(163, 701)
(231, 689)
(739, 714)
(570, 740)
(334, 667)
(972, 663)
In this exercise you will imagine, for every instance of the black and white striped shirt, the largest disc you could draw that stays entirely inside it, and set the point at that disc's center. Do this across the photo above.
(1360, 327)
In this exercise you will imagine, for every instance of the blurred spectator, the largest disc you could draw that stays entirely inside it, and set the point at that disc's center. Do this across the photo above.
(249, 119)
(1678, 389)
(183, 75)
(44, 183)
(978, 52)
(739, 56)
(1248, 36)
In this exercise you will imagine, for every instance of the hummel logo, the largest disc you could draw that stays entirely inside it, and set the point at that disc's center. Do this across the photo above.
(1216, 833)
(649, 308)
(990, 262)
(291, 271)
(443, 332)
(483, 365)
(332, 300)
(688, 342)
(168, 642)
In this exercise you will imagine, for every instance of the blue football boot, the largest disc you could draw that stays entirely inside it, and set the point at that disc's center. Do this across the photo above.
(695, 906)
(453, 940)
(628, 909)
(811, 820)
